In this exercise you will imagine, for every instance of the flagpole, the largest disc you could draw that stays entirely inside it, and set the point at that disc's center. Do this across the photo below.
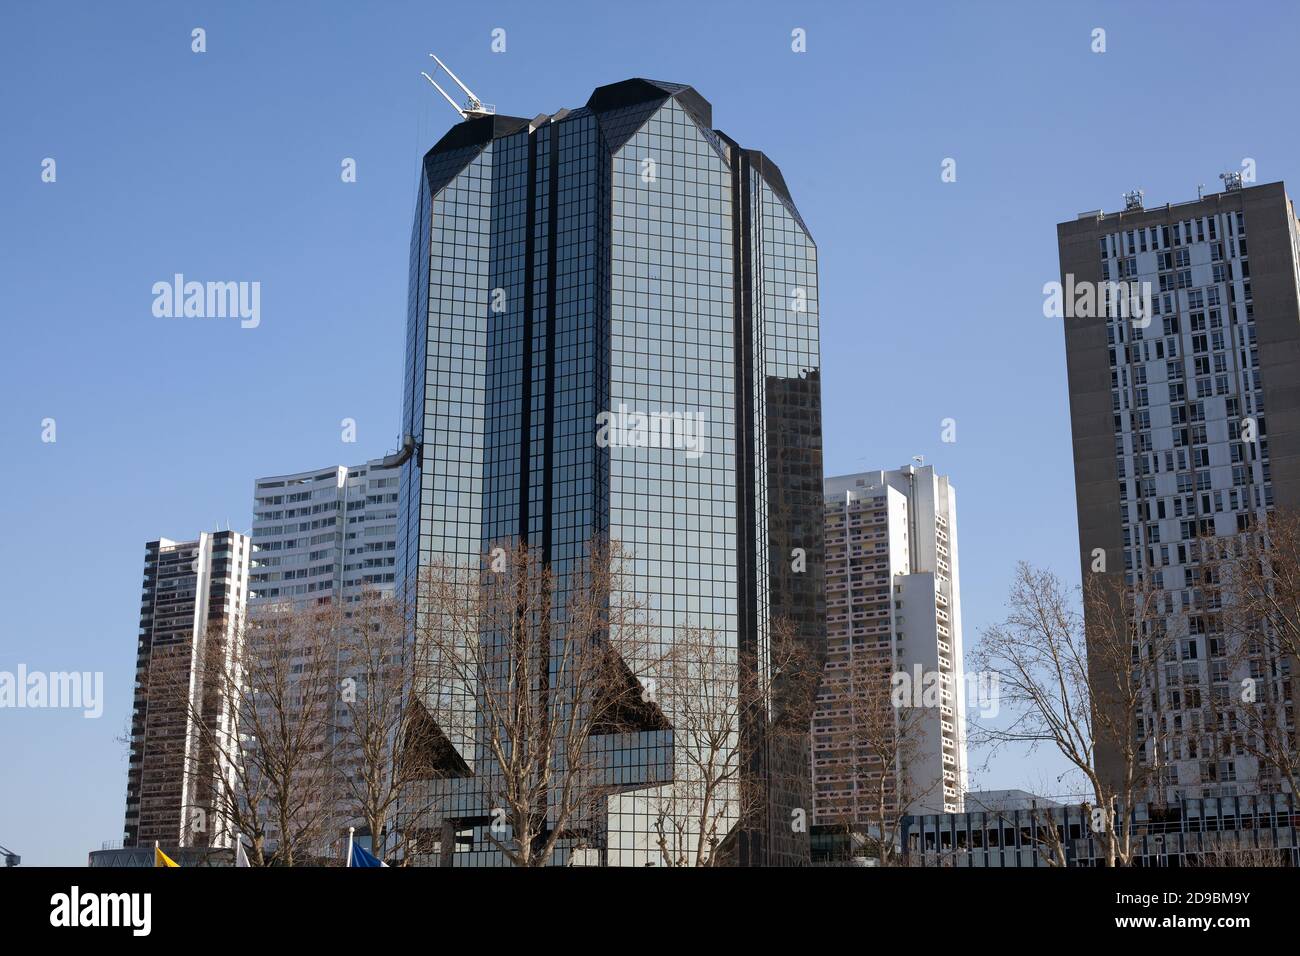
(350, 831)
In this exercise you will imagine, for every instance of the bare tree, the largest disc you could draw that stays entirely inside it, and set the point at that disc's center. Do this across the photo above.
(700, 689)
(1087, 684)
(1265, 838)
(286, 716)
(885, 725)
(1049, 837)
(1258, 574)
(258, 707)
(730, 711)
(382, 741)
(1045, 834)
(532, 664)
(1221, 856)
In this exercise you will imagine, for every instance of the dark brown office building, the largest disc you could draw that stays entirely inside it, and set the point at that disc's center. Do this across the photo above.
(1186, 427)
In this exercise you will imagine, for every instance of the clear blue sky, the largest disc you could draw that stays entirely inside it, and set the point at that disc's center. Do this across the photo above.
(226, 165)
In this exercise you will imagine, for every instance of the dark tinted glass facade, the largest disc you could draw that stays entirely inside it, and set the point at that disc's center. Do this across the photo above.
(620, 259)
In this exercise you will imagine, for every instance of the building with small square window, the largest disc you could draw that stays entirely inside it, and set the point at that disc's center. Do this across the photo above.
(893, 618)
(1185, 417)
(325, 536)
(1018, 829)
(192, 613)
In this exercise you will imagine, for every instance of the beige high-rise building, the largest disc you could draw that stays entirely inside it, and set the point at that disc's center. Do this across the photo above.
(893, 619)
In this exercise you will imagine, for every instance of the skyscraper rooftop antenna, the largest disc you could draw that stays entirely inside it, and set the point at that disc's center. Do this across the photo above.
(473, 108)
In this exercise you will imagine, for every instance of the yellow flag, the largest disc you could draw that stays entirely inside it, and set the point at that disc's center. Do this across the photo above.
(162, 859)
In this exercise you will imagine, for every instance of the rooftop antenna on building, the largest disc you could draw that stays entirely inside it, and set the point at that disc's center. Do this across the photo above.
(473, 108)
(919, 459)
(1133, 201)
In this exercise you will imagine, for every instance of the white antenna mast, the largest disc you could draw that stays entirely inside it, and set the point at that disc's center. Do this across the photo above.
(474, 107)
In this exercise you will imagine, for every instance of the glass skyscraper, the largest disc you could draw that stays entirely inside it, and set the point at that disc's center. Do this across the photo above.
(587, 267)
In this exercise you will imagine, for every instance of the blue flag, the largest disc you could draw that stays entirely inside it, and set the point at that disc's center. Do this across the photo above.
(361, 857)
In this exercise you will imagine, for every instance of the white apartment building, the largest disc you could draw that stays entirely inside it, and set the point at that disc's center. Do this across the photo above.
(893, 607)
(323, 536)
(326, 534)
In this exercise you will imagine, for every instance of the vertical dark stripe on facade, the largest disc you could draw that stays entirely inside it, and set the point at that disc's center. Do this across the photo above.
(747, 606)
(753, 837)
(526, 389)
(552, 267)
